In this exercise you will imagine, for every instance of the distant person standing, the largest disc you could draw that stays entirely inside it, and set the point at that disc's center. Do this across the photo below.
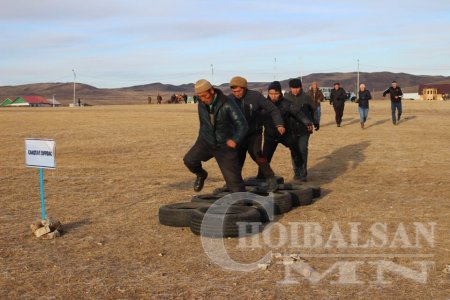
(159, 99)
(396, 100)
(337, 99)
(149, 99)
(363, 103)
(317, 97)
(222, 128)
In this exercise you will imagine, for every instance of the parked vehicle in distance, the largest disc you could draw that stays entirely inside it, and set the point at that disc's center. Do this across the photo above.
(326, 91)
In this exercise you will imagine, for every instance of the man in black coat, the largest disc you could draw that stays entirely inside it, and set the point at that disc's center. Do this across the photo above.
(337, 99)
(300, 130)
(222, 128)
(291, 114)
(252, 103)
(396, 100)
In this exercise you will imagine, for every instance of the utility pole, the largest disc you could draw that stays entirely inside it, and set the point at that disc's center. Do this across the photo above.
(74, 89)
(53, 100)
(274, 69)
(212, 74)
(357, 81)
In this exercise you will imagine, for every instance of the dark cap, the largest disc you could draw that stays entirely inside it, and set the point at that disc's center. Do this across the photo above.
(295, 83)
(276, 85)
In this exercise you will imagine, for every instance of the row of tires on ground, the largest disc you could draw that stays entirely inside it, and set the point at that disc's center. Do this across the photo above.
(236, 214)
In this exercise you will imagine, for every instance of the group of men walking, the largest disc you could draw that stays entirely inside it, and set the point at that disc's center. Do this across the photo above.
(232, 126)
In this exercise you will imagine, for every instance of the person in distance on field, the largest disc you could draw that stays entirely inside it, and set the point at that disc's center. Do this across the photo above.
(396, 100)
(363, 104)
(337, 99)
(316, 94)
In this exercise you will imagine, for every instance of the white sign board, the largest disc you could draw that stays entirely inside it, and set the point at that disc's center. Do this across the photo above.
(40, 153)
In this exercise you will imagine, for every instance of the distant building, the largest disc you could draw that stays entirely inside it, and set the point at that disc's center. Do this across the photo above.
(27, 101)
(432, 92)
(7, 101)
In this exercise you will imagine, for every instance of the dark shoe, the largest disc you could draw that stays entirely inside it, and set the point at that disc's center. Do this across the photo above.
(394, 122)
(200, 181)
(362, 125)
(220, 190)
(398, 117)
(338, 125)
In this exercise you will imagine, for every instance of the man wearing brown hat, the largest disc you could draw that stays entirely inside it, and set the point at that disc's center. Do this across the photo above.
(252, 104)
(301, 130)
(222, 128)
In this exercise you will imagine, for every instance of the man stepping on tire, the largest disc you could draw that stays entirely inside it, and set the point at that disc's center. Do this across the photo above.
(222, 127)
(252, 103)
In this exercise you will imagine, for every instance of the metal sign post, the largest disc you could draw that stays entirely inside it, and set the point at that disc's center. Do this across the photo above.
(40, 153)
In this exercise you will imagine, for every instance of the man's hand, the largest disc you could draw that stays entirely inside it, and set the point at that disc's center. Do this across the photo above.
(310, 128)
(316, 126)
(396, 97)
(232, 144)
(281, 130)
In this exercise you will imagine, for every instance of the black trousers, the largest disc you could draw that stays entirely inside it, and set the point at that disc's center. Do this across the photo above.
(271, 143)
(226, 157)
(339, 110)
(300, 157)
(252, 144)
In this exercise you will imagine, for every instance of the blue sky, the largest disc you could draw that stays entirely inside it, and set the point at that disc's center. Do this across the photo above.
(118, 43)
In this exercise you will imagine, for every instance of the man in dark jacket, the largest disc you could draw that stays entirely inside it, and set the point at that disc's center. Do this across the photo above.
(337, 99)
(396, 100)
(252, 103)
(222, 128)
(290, 114)
(300, 130)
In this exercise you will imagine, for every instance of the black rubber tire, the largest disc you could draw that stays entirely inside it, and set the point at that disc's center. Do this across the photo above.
(317, 192)
(208, 198)
(179, 214)
(253, 181)
(229, 215)
(282, 202)
(301, 197)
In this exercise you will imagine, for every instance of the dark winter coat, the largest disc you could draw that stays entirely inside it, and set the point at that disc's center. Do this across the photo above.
(223, 122)
(316, 96)
(252, 106)
(290, 114)
(338, 97)
(394, 92)
(306, 105)
(363, 98)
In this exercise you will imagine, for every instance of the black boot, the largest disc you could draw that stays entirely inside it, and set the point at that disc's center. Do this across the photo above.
(200, 180)
(303, 173)
(267, 172)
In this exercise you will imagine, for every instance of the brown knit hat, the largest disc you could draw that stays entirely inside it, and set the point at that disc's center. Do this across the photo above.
(202, 85)
(238, 81)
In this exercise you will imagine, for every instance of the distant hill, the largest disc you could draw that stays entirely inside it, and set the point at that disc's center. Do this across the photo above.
(376, 81)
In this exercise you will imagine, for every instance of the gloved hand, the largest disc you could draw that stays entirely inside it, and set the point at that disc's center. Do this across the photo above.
(316, 126)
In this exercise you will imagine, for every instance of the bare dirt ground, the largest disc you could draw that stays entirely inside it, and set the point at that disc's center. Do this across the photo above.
(117, 165)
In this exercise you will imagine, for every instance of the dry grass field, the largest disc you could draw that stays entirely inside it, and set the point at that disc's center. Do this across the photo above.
(117, 164)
